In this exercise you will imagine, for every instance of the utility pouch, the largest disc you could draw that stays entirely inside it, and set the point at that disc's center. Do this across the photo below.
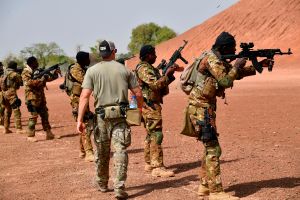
(76, 89)
(88, 116)
(188, 128)
(209, 87)
(133, 117)
(110, 112)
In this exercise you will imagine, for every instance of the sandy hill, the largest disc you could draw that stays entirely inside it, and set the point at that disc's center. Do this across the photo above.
(269, 24)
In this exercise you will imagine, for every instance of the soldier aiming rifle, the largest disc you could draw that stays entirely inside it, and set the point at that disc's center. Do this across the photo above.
(252, 55)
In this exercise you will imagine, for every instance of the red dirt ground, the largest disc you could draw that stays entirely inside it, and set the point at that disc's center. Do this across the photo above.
(260, 132)
(259, 129)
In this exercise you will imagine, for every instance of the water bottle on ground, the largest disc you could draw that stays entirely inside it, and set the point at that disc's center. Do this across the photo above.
(133, 102)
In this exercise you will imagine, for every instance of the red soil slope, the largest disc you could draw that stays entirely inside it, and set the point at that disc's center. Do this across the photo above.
(269, 24)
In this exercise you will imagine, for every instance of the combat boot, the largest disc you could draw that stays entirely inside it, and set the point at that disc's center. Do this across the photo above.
(81, 154)
(7, 131)
(148, 167)
(120, 194)
(49, 135)
(102, 187)
(20, 131)
(89, 156)
(221, 196)
(32, 139)
(203, 190)
(162, 172)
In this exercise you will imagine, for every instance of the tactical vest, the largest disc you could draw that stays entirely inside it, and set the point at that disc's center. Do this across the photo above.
(7, 82)
(205, 84)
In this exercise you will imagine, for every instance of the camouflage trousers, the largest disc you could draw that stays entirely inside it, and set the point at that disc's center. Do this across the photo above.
(153, 153)
(85, 143)
(210, 172)
(35, 111)
(117, 133)
(2, 110)
(8, 110)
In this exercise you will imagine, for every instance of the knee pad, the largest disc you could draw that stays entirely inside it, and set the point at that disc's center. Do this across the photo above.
(16, 104)
(30, 107)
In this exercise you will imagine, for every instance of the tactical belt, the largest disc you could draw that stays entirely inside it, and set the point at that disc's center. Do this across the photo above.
(112, 111)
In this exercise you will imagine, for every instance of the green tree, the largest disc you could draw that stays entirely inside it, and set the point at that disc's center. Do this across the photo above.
(150, 33)
(12, 57)
(46, 54)
(95, 54)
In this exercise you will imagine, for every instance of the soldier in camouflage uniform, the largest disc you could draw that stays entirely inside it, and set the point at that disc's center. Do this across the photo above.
(109, 81)
(35, 99)
(1, 98)
(215, 75)
(76, 75)
(154, 87)
(11, 82)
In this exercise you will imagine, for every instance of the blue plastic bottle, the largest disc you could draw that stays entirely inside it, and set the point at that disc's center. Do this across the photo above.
(133, 102)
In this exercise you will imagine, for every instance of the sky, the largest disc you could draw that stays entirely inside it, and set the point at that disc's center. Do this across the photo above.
(70, 23)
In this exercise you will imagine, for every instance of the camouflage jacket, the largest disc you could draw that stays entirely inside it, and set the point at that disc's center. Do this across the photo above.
(154, 86)
(215, 76)
(34, 89)
(77, 75)
(13, 82)
(77, 72)
(1, 79)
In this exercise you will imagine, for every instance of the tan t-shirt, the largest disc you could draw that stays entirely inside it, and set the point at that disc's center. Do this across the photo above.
(109, 81)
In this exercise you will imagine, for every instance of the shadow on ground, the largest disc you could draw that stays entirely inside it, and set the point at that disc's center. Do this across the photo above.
(246, 189)
(174, 183)
(183, 167)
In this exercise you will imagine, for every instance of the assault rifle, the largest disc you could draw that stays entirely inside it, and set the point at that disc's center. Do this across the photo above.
(40, 73)
(249, 53)
(208, 132)
(164, 66)
(123, 59)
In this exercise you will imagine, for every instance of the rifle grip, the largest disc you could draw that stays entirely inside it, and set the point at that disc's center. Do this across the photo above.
(256, 64)
(184, 60)
(270, 67)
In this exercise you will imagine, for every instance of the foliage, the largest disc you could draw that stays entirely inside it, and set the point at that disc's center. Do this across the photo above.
(13, 57)
(150, 33)
(45, 53)
(95, 54)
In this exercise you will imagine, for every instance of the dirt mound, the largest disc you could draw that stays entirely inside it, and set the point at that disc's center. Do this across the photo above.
(271, 24)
